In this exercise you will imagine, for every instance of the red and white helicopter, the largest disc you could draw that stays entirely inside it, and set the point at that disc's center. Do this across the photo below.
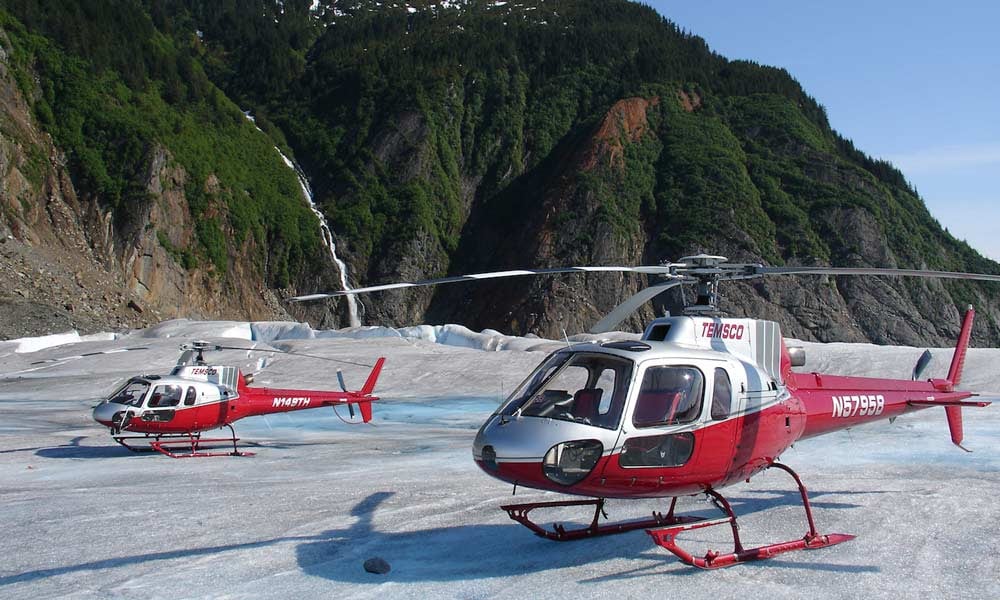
(700, 402)
(168, 413)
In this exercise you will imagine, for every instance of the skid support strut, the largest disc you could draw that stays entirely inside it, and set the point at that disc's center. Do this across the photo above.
(559, 533)
(667, 536)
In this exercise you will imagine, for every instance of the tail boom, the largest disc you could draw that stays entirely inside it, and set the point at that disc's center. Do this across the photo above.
(274, 400)
(833, 402)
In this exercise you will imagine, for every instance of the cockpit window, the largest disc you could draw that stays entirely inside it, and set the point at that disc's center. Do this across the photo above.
(132, 393)
(669, 395)
(538, 377)
(581, 387)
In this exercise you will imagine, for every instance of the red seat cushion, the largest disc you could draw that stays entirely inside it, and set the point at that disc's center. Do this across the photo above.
(654, 407)
(585, 403)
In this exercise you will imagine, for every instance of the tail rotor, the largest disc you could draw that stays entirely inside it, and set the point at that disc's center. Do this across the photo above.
(343, 387)
(921, 366)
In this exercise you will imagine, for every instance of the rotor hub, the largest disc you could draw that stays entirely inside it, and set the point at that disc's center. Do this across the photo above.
(705, 271)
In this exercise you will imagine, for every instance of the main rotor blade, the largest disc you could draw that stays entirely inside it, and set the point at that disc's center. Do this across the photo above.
(875, 271)
(291, 353)
(623, 310)
(649, 270)
(85, 354)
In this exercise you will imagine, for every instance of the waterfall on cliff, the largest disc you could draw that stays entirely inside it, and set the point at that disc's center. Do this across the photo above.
(352, 303)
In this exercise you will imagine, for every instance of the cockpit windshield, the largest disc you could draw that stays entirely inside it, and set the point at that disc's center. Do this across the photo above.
(132, 393)
(583, 387)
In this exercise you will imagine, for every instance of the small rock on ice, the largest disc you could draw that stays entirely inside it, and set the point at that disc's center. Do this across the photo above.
(377, 565)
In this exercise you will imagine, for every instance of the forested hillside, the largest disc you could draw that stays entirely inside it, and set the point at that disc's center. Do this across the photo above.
(449, 137)
(113, 86)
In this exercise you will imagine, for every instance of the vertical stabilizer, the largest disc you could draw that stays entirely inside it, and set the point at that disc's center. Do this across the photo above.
(366, 410)
(954, 413)
(958, 360)
(369, 386)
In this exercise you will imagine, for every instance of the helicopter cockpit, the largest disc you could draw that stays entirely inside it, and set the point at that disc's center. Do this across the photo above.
(160, 398)
(640, 404)
(591, 388)
(580, 387)
(133, 393)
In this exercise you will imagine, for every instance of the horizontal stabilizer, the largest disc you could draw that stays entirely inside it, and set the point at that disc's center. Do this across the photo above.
(968, 403)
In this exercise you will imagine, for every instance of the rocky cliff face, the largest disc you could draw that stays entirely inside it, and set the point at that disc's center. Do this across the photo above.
(483, 137)
(573, 209)
(65, 263)
(441, 139)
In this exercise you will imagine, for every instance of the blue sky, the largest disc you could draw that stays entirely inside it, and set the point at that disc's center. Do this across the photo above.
(913, 82)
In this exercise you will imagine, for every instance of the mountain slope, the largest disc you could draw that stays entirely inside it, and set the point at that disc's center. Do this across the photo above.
(177, 205)
(461, 136)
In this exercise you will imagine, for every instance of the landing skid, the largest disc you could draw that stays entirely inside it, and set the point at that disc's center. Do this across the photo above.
(667, 536)
(519, 513)
(124, 440)
(182, 445)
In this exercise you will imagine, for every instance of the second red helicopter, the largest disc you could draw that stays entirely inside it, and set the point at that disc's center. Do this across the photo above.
(169, 413)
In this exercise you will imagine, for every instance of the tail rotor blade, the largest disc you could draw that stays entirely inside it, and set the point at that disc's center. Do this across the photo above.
(921, 366)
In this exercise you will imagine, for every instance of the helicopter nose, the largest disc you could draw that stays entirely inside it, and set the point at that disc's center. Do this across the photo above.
(105, 411)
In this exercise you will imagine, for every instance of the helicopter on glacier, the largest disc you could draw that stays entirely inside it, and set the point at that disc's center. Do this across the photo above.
(698, 403)
(168, 413)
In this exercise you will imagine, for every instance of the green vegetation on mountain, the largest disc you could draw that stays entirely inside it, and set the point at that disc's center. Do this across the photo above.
(111, 87)
(472, 135)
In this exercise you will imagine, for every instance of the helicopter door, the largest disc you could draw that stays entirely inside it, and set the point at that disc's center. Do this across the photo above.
(162, 403)
(669, 395)
(751, 393)
(721, 428)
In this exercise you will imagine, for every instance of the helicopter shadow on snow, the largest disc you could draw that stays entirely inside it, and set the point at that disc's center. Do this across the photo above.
(447, 553)
(74, 449)
(465, 552)
(748, 505)
(138, 559)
